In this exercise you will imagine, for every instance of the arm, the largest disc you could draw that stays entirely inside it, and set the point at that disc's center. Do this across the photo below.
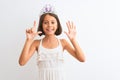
(28, 50)
(30, 45)
(75, 49)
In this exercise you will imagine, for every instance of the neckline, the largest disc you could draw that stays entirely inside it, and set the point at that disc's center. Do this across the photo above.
(49, 48)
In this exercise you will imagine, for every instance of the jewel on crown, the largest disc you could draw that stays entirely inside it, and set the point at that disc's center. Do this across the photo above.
(47, 9)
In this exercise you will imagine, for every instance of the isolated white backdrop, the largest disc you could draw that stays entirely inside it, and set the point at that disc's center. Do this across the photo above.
(97, 23)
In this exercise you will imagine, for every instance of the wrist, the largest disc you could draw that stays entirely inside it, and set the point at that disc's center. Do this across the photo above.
(29, 40)
(73, 39)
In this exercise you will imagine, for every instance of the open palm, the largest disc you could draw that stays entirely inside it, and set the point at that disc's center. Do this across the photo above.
(71, 30)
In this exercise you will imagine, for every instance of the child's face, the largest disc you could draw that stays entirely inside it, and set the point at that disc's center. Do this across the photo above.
(49, 25)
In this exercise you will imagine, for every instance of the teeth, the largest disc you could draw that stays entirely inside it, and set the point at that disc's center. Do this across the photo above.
(49, 29)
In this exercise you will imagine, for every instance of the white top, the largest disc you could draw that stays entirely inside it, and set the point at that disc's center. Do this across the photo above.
(50, 62)
(50, 54)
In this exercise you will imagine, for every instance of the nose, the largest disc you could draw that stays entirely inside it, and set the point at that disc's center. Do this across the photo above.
(49, 24)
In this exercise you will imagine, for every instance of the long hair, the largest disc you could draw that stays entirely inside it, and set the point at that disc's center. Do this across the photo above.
(41, 19)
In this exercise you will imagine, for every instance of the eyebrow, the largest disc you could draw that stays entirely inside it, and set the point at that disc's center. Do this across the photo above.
(48, 20)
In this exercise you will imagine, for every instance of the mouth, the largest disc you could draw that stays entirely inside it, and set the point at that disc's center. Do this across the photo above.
(50, 30)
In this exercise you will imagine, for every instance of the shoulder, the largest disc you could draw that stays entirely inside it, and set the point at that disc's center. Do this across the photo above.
(64, 42)
(36, 43)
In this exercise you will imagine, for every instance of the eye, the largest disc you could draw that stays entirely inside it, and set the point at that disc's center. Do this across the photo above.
(45, 22)
(53, 22)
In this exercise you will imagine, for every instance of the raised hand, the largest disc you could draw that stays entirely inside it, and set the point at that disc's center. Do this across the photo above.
(71, 30)
(31, 33)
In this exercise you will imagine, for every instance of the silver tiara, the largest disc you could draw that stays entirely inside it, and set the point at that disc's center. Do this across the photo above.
(47, 9)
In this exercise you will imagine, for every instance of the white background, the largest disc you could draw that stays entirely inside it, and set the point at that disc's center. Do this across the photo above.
(97, 23)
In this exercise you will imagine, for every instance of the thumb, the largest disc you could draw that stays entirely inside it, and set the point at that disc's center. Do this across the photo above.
(66, 33)
(39, 32)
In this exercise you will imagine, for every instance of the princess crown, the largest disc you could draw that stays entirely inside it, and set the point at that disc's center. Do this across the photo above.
(47, 9)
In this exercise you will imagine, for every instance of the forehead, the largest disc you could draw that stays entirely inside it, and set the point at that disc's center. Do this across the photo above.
(49, 17)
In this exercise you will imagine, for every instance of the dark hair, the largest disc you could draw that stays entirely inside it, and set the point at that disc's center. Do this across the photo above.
(41, 19)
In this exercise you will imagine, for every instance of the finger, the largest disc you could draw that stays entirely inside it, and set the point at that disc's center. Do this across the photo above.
(28, 30)
(34, 26)
(71, 24)
(74, 27)
(67, 23)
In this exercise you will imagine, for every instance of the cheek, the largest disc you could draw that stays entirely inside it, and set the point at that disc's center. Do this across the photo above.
(56, 27)
(44, 26)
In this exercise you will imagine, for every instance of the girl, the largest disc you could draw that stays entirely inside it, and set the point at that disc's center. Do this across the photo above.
(50, 48)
